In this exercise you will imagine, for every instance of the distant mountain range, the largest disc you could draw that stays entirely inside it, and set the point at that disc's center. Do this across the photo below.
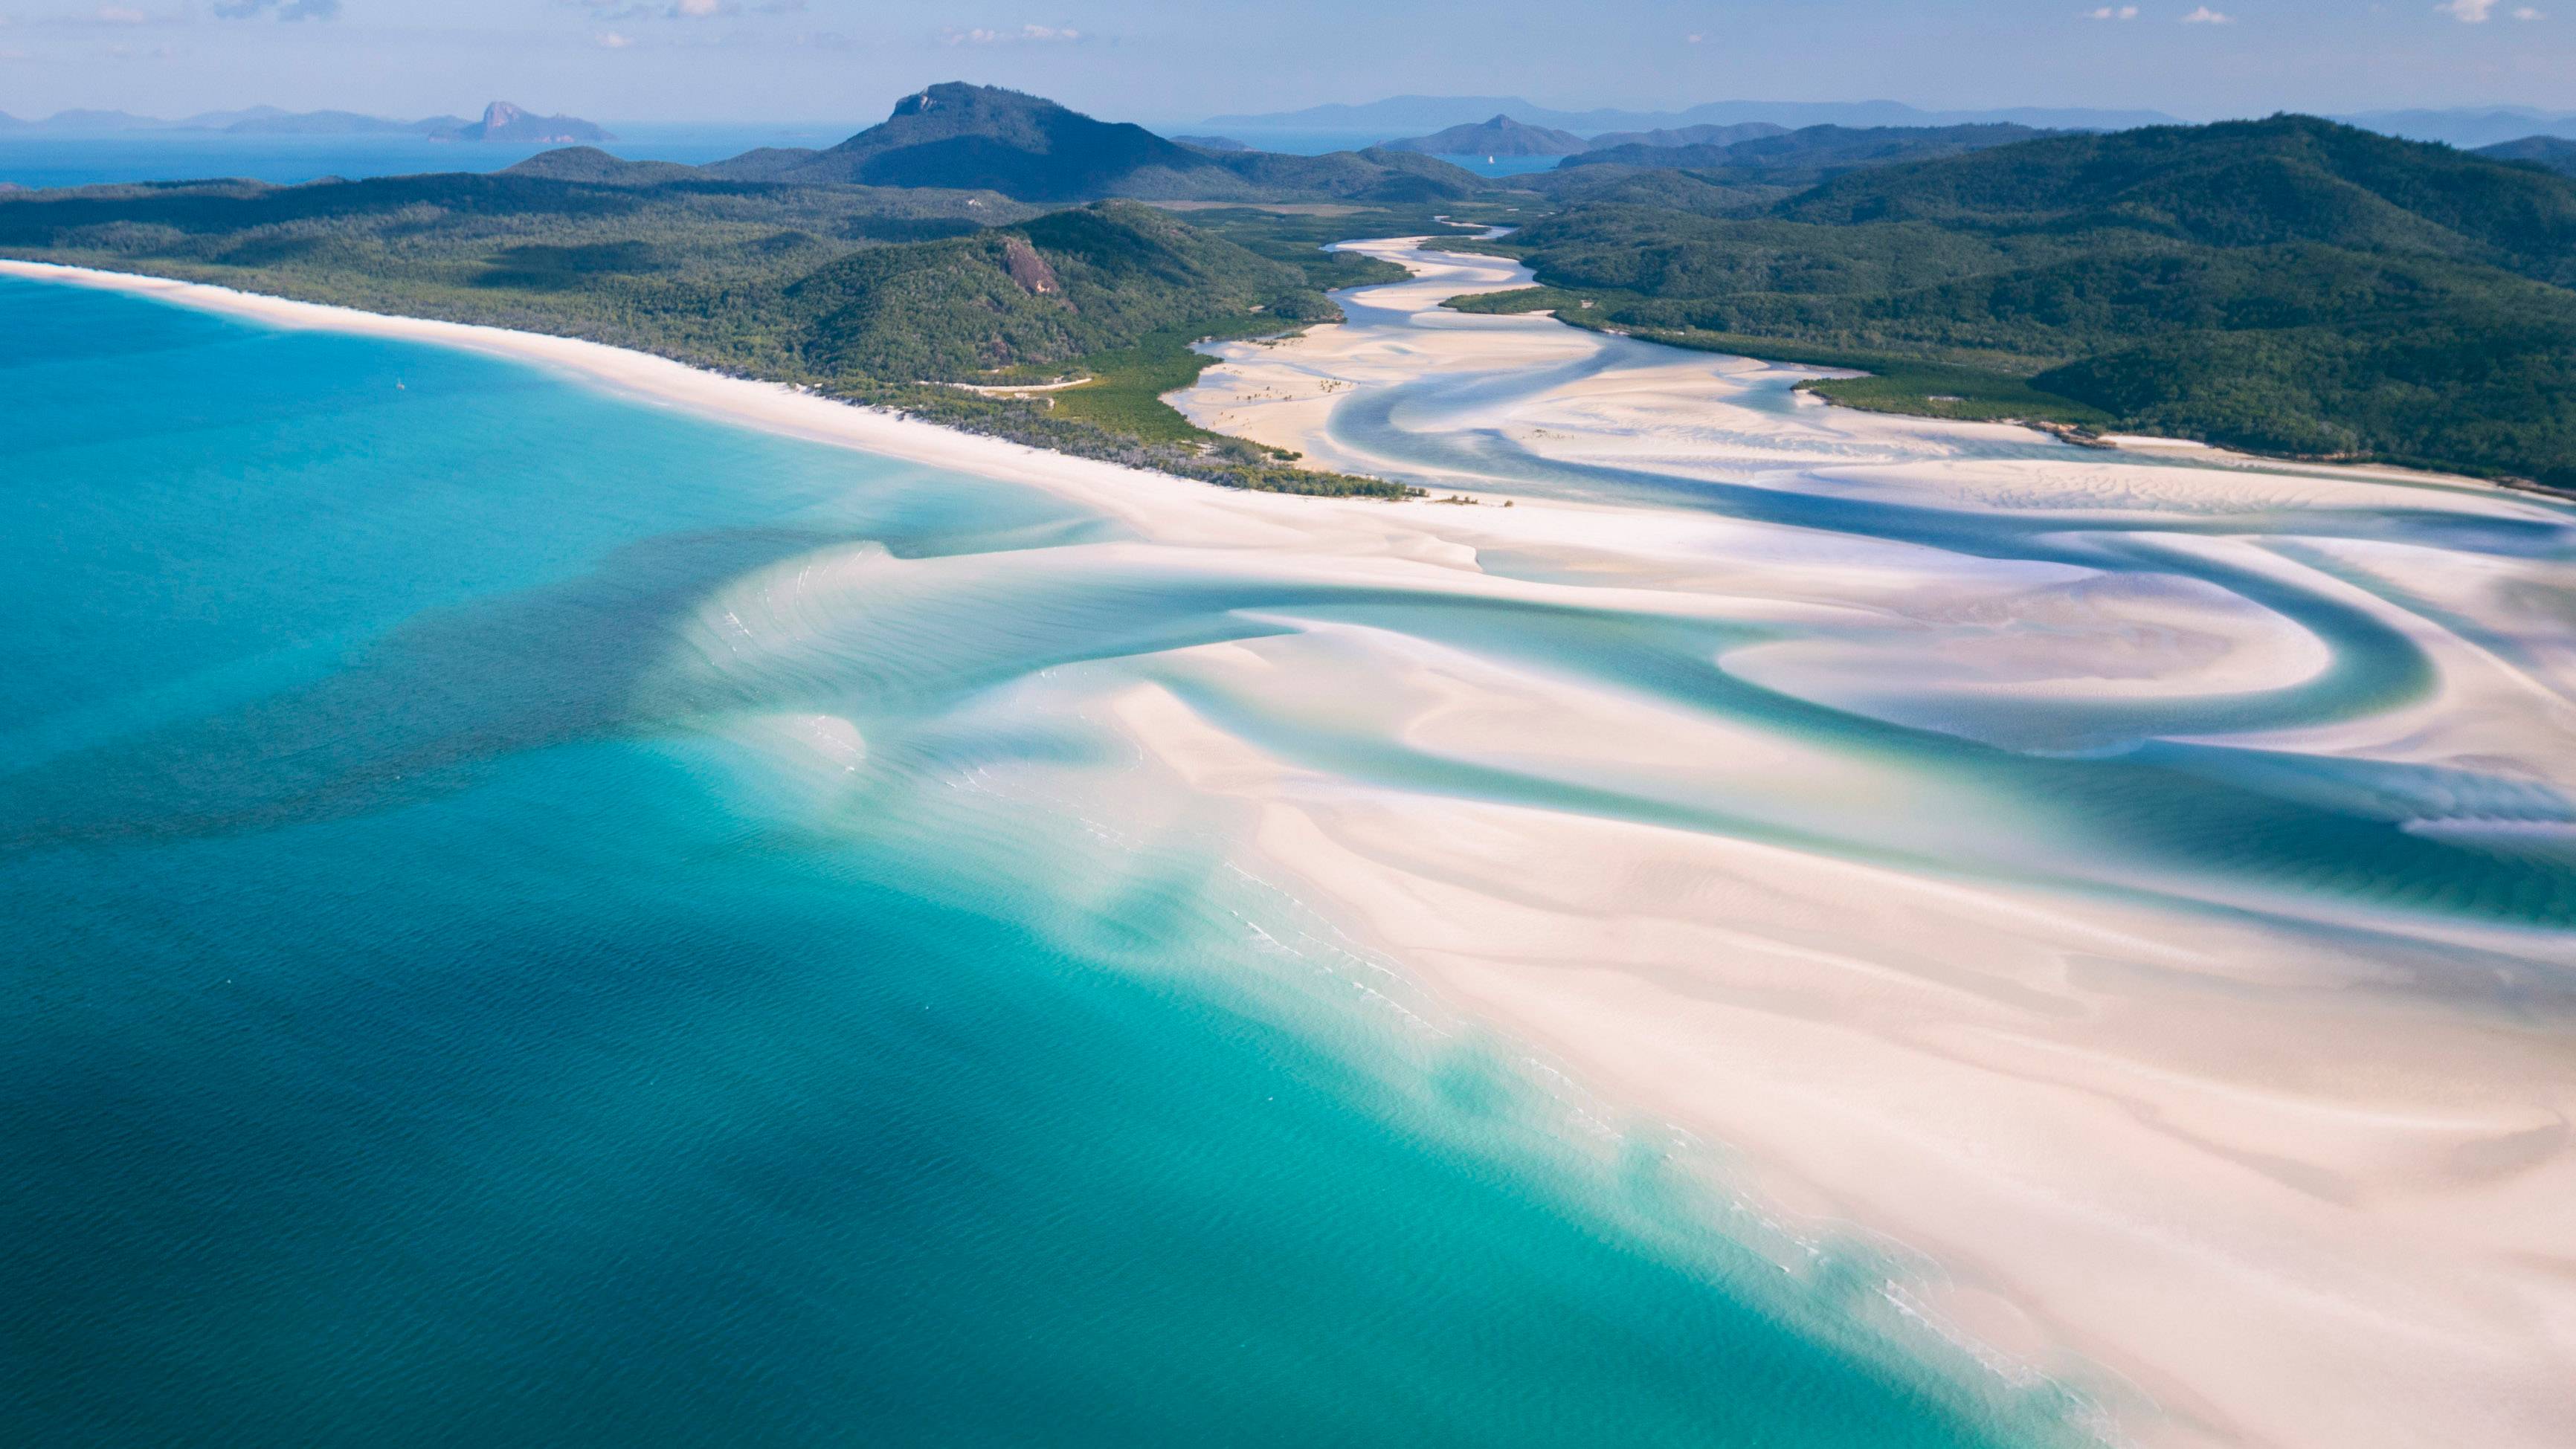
(1417, 118)
(1412, 115)
(2467, 127)
(501, 121)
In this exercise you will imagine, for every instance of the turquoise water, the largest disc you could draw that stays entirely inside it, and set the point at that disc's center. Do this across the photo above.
(435, 1017)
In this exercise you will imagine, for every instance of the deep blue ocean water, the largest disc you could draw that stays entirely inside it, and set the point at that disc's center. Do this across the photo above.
(50, 160)
(422, 1031)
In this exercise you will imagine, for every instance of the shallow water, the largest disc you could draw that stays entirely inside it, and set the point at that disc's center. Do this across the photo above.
(538, 918)
(2179, 793)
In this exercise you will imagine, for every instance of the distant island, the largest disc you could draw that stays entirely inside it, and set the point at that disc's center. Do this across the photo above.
(505, 122)
(1501, 136)
(1414, 115)
(501, 121)
(266, 121)
(2467, 127)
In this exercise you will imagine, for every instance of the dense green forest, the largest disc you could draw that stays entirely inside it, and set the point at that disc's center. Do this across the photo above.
(884, 295)
(1805, 156)
(2288, 285)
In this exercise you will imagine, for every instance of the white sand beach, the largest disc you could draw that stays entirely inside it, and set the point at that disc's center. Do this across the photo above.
(2253, 1164)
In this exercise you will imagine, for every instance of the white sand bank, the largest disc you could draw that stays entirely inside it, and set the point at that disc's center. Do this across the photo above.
(2275, 1178)
(2274, 1175)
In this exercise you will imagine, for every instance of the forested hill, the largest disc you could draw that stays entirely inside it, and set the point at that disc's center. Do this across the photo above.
(2289, 285)
(879, 295)
(1048, 291)
(1810, 154)
(958, 136)
(982, 137)
(1501, 136)
(2555, 153)
(2236, 184)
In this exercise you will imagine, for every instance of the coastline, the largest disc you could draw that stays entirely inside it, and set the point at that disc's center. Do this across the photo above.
(1955, 1065)
(772, 406)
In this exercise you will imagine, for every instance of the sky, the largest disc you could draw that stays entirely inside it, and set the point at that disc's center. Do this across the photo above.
(1167, 62)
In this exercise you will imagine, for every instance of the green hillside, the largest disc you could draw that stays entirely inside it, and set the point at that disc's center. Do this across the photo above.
(985, 138)
(2554, 153)
(2287, 285)
(1034, 295)
(879, 295)
(1501, 136)
(1807, 155)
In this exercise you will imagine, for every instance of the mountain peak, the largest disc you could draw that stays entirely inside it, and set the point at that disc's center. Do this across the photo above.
(960, 108)
(503, 121)
(953, 94)
(984, 137)
(962, 137)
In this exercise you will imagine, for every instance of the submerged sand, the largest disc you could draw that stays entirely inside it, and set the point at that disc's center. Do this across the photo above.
(2256, 1166)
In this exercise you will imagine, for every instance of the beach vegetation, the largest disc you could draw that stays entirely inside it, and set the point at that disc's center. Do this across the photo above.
(2290, 285)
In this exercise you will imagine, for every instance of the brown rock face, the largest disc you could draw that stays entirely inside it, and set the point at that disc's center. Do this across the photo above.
(1028, 268)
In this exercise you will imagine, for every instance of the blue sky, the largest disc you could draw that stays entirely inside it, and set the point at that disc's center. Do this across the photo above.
(1165, 61)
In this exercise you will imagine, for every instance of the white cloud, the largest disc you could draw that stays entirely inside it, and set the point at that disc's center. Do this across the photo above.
(2467, 12)
(613, 11)
(2124, 12)
(2528, 13)
(1692, 39)
(121, 15)
(285, 9)
(611, 40)
(2206, 16)
(1025, 35)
